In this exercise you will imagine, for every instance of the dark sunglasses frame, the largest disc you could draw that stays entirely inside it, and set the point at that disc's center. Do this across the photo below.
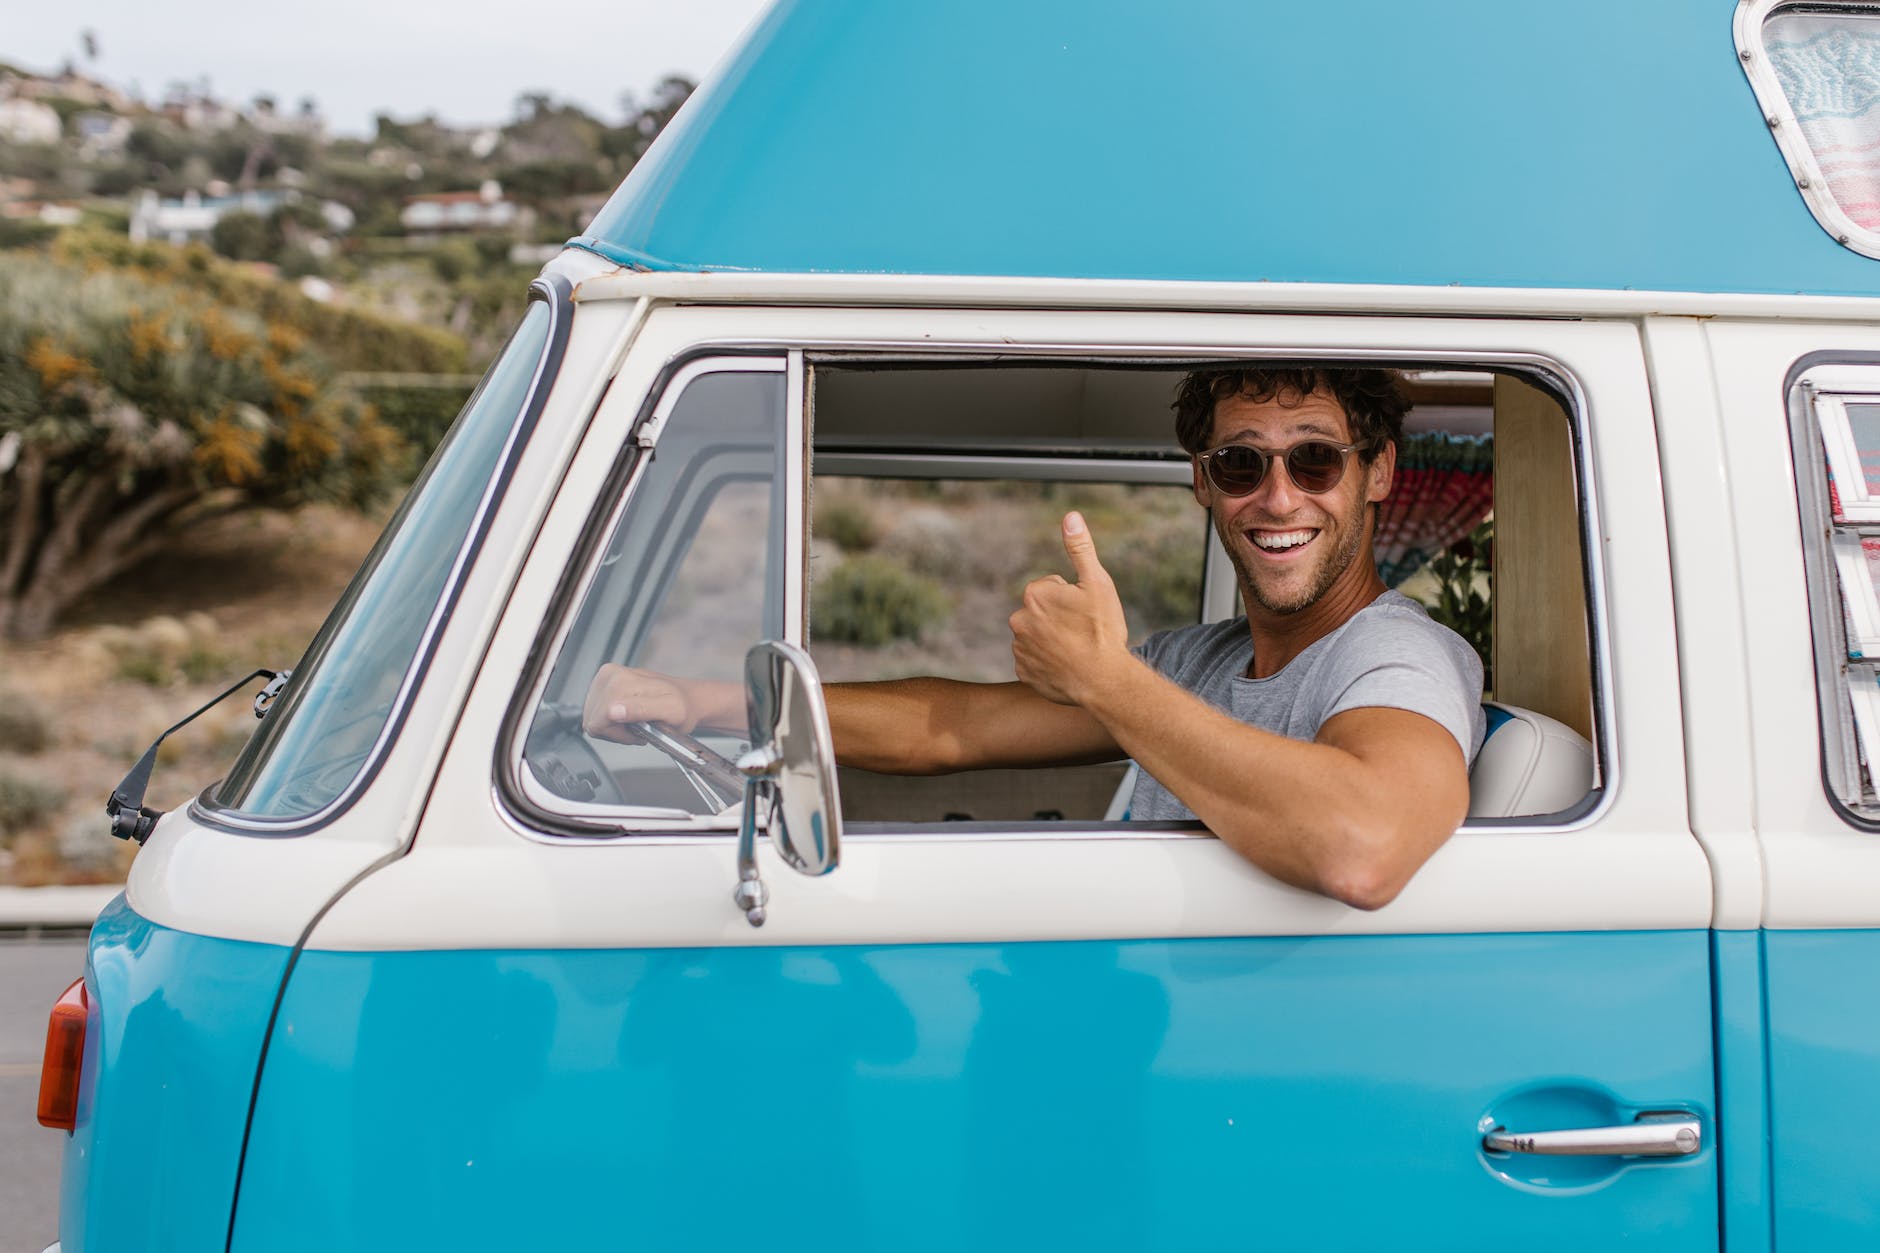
(1209, 459)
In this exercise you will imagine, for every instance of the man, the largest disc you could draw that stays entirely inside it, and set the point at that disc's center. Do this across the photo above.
(1326, 737)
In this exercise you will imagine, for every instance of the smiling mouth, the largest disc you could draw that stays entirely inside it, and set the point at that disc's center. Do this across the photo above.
(1282, 541)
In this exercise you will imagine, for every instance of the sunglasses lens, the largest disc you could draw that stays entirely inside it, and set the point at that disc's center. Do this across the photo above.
(1315, 466)
(1237, 469)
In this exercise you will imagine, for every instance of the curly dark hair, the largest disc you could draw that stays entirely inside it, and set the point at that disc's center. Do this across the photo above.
(1372, 399)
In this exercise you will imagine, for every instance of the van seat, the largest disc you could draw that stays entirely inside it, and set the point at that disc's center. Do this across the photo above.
(1529, 764)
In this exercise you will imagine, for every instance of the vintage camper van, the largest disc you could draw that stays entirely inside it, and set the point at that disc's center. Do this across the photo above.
(432, 967)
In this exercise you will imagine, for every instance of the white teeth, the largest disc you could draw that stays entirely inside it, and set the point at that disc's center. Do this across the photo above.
(1278, 541)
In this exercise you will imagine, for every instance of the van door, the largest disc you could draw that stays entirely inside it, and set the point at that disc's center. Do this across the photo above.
(549, 1020)
(1798, 403)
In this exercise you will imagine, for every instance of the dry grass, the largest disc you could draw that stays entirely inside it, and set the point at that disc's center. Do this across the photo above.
(247, 593)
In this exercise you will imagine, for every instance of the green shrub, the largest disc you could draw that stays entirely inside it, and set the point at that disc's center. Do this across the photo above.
(136, 402)
(202, 664)
(26, 802)
(871, 601)
(1157, 570)
(847, 523)
(1464, 598)
(142, 666)
(420, 415)
(24, 727)
(25, 232)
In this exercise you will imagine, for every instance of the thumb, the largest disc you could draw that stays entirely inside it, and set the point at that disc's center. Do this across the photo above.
(1082, 550)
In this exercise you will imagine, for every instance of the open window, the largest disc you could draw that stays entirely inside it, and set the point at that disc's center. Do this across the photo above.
(936, 494)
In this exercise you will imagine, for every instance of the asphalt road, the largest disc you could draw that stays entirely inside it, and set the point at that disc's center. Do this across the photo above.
(32, 974)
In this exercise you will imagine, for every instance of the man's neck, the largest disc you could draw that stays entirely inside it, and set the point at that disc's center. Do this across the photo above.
(1280, 637)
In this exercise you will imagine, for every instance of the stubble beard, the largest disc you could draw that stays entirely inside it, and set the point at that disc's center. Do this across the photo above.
(1330, 569)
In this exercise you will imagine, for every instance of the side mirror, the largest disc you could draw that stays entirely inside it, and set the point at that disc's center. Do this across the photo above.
(789, 773)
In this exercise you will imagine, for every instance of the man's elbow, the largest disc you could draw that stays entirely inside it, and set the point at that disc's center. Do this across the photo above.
(1362, 884)
(1371, 868)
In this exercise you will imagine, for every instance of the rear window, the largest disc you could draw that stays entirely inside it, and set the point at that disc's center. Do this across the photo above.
(1816, 73)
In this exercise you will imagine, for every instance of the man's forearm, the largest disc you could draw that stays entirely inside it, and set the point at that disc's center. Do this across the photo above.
(1354, 825)
(936, 726)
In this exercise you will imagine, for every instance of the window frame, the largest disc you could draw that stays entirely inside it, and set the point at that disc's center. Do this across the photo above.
(1804, 168)
(560, 826)
(1818, 383)
(528, 801)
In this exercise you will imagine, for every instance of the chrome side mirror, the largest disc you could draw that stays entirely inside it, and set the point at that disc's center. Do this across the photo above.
(789, 772)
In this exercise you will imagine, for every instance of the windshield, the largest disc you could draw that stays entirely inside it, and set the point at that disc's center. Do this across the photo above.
(344, 691)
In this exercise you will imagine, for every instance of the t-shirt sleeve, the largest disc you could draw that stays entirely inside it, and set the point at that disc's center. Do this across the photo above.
(1154, 650)
(1430, 671)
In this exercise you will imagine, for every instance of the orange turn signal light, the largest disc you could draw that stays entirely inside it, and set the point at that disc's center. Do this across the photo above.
(65, 1057)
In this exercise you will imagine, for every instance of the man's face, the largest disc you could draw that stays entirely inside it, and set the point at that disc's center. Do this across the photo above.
(1291, 547)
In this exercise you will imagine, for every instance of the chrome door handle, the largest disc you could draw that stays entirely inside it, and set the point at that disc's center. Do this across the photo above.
(1667, 1137)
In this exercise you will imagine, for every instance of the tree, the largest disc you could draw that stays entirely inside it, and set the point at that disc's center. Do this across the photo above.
(645, 119)
(134, 405)
(245, 237)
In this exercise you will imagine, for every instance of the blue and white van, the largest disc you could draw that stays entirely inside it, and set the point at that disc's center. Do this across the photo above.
(431, 968)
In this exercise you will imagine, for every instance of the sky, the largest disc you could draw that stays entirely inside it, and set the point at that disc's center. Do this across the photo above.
(467, 62)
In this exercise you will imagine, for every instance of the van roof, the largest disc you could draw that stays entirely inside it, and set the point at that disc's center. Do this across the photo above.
(1594, 144)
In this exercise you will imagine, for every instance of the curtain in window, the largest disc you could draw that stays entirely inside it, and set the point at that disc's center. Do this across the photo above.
(1445, 487)
(1829, 68)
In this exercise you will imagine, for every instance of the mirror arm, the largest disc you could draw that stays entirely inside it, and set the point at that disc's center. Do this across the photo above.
(788, 774)
(759, 767)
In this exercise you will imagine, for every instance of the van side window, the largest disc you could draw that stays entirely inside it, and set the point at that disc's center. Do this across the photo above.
(1835, 420)
(688, 578)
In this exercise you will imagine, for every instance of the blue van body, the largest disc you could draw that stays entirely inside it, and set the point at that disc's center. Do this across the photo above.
(1097, 1093)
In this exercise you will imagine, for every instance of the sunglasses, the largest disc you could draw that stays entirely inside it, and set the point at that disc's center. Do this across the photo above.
(1315, 466)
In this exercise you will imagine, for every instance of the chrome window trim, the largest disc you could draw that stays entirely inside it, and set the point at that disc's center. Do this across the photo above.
(1041, 468)
(1804, 170)
(1815, 378)
(796, 501)
(643, 435)
(558, 295)
(1535, 367)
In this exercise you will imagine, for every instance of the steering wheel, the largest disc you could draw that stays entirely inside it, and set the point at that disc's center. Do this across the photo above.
(715, 777)
(563, 756)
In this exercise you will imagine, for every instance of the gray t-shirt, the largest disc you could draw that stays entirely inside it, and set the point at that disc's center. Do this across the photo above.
(1390, 653)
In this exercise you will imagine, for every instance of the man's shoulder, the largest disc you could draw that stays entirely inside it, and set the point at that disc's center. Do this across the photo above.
(1394, 621)
(1395, 635)
(1394, 654)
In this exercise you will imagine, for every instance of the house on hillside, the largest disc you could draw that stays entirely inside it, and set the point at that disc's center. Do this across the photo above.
(465, 212)
(101, 134)
(198, 111)
(25, 121)
(195, 215)
(51, 213)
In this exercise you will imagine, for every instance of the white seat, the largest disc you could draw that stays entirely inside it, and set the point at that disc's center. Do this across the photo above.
(1529, 764)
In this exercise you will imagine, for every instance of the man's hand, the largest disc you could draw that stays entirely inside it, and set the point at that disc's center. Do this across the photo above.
(1068, 637)
(619, 695)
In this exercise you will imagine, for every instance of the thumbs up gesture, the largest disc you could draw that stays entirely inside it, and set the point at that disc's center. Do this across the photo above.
(1066, 635)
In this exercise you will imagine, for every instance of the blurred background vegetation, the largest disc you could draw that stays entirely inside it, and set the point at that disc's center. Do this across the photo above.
(228, 340)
